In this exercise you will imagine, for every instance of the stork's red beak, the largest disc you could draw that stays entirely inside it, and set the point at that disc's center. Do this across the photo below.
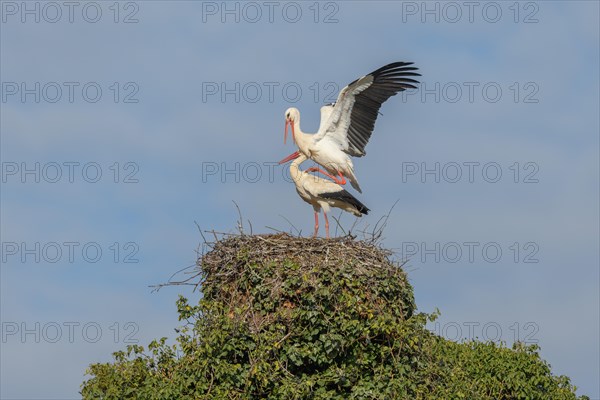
(288, 122)
(290, 157)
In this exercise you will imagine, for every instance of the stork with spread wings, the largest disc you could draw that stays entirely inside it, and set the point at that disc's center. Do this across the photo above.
(346, 125)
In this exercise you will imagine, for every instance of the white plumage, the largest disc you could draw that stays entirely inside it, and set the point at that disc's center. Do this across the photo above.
(346, 126)
(321, 193)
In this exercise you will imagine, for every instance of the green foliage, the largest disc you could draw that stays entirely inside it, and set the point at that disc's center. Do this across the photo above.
(290, 318)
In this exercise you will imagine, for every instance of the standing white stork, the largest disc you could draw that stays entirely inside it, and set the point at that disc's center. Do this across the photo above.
(347, 124)
(321, 193)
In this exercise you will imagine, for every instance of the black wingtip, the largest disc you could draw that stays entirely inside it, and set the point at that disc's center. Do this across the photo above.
(345, 196)
(403, 65)
(364, 210)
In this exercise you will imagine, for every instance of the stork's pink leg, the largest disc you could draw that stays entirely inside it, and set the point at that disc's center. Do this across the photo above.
(316, 169)
(317, 223)
(326, 225)
(340, 181)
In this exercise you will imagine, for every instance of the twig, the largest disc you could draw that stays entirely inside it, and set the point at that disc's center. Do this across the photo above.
(283, 338)
(206, 242)
(377, 233)
(290, 222)
(273, 229)
(338, 224)
(240, 222)
(353, 225)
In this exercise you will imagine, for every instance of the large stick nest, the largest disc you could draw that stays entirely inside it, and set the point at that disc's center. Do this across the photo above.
(240, 268)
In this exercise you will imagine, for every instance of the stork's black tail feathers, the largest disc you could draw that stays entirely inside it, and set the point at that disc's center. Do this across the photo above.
(346, 197)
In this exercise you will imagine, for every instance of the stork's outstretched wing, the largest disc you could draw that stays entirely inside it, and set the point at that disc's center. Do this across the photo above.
(326, 111)
(351, 121)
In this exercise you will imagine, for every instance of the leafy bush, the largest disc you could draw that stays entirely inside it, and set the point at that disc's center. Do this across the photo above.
(295, 318)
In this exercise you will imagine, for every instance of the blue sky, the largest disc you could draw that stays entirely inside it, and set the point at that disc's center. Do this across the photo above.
(509, 89)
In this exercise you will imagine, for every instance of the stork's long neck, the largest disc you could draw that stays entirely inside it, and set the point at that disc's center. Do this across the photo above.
(295, 171)
(300, 137)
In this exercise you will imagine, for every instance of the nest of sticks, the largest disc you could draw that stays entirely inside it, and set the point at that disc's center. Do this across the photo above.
(229, 256)
(280, 271)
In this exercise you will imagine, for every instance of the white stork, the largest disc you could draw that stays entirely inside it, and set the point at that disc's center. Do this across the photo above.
(321, 193)
(347, 124)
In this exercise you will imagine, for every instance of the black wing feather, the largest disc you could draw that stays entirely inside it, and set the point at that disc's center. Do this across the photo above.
(387, 81)
(346, 197)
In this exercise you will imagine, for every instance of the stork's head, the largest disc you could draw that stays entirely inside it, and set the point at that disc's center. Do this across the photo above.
(291, 116)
